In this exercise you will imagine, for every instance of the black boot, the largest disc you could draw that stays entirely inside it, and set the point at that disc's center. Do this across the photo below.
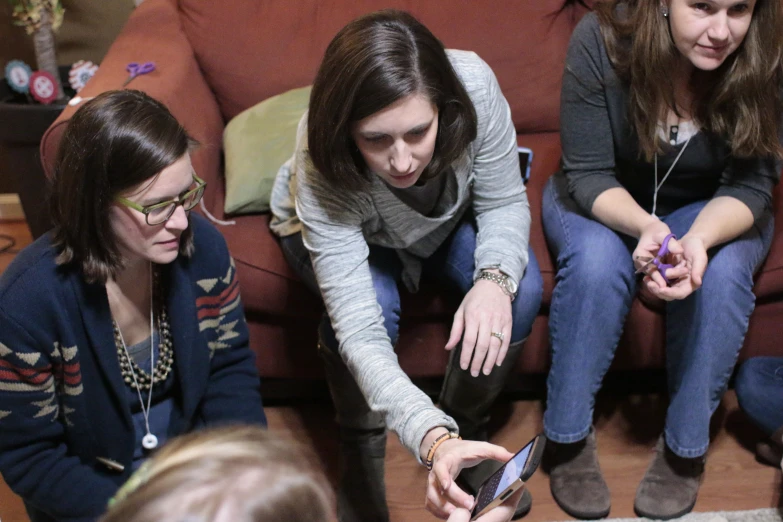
(468, 400)
(361, 492)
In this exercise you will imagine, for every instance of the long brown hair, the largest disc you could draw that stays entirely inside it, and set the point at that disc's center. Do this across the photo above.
(371, 63)
(740, 101)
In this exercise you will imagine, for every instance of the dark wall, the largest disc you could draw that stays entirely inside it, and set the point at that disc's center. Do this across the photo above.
(89, 27)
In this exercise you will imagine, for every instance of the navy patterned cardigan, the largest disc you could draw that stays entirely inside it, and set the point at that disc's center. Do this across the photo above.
(63, 403)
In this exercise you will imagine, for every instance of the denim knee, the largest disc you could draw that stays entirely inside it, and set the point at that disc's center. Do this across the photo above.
(387, 296)
(759, 388)
(528, 301)
(598, 264)
(728, 277)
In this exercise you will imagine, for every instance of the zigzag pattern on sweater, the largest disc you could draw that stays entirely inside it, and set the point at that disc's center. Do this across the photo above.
(213, 309)
(21, 372)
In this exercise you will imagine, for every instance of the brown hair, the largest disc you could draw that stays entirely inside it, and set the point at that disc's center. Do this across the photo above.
(740, 101)
(112, 143)
(371, 63)
(230, 474)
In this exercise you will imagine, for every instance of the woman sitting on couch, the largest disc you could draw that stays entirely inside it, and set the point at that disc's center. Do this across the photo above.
(407, 170)
(123, 326)
(670, 121)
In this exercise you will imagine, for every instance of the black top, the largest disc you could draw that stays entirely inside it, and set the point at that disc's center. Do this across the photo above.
(601, 147)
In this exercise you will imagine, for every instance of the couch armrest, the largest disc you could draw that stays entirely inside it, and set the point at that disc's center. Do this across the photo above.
(153, 33)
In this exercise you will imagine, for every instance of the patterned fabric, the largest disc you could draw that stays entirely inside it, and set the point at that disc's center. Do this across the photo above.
(221, 298)
(64, 410)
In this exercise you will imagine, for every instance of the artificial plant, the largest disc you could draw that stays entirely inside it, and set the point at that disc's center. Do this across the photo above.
(40, 19)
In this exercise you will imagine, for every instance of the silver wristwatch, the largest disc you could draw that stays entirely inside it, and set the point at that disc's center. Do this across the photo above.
(508, 285)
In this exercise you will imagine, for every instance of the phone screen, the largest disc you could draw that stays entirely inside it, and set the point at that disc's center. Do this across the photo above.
(503, 478)
(525, 160)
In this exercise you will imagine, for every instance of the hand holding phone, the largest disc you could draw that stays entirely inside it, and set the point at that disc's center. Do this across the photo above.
(502, 513)
(510, 478)
(443, 493)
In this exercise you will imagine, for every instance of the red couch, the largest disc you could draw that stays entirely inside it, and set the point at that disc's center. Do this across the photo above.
(215, 59)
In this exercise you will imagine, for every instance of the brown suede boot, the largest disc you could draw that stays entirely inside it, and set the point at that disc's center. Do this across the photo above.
(575, 478)
(669, 488)
(468, 400)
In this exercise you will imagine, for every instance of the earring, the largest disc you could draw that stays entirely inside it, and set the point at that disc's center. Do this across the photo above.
(665, 11)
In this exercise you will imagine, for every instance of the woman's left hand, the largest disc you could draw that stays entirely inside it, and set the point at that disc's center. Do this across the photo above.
(484, 310)
(694, 253)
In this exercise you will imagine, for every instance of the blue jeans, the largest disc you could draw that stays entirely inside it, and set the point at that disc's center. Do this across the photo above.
(452, 266)
(759, 388)
(594, 288)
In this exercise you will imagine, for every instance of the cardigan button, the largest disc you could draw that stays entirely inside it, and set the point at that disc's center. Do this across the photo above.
(113, 465)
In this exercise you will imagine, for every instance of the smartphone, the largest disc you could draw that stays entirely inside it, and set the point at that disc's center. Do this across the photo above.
(525, 161)
(510, 477)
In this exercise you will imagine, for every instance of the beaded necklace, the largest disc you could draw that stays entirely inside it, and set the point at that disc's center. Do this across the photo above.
(137, 378)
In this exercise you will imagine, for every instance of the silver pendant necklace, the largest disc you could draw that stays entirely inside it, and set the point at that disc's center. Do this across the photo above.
(659, 185)
(149, 441)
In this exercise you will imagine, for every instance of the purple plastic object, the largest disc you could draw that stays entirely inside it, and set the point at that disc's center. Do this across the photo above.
(137, 69)
(661, 266)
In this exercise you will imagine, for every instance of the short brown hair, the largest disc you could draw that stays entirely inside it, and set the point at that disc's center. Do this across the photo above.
(740, 101)
(113, 142)
(371, 63)
(229, 474)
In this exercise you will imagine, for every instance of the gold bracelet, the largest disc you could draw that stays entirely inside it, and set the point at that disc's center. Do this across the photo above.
(437, 442)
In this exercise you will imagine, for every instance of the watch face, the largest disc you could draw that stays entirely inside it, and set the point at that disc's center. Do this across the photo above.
(512, 285)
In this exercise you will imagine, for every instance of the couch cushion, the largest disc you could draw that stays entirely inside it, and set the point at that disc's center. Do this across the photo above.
(250, 51)
(256, 143)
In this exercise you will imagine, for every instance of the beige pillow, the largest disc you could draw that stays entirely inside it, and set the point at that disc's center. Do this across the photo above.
(256, 143)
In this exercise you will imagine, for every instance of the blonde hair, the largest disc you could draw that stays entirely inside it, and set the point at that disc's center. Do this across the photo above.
(232, 474)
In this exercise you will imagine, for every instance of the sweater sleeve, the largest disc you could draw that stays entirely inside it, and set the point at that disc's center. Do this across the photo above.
(233, 392)
(499, 196)
(585, 128)
(34, 459)
(332, 233)
(751, 180)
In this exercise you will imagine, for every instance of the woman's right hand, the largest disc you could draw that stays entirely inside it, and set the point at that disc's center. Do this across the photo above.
(502, 513)
(650, 242)
(451, 457)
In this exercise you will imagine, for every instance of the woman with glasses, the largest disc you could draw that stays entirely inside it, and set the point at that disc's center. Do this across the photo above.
(123, 326)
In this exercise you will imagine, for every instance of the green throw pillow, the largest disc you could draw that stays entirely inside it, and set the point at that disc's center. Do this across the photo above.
(256, 143)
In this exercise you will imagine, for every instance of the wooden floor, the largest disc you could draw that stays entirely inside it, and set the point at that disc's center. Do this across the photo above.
(627, 428)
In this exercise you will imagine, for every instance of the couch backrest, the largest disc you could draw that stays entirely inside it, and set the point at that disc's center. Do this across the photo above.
(250, 50)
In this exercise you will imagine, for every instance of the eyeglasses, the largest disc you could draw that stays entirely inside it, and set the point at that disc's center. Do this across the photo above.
(161, 212)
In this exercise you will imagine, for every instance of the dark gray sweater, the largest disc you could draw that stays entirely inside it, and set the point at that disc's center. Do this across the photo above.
(600, 146)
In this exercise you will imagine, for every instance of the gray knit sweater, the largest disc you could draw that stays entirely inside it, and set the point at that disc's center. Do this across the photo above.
(337, 227)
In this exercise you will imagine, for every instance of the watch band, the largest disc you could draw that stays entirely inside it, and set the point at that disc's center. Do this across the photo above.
(500, 280)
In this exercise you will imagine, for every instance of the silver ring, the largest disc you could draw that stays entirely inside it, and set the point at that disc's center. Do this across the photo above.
(499, 335)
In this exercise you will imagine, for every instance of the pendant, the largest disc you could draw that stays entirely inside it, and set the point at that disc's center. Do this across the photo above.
(149, 441)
